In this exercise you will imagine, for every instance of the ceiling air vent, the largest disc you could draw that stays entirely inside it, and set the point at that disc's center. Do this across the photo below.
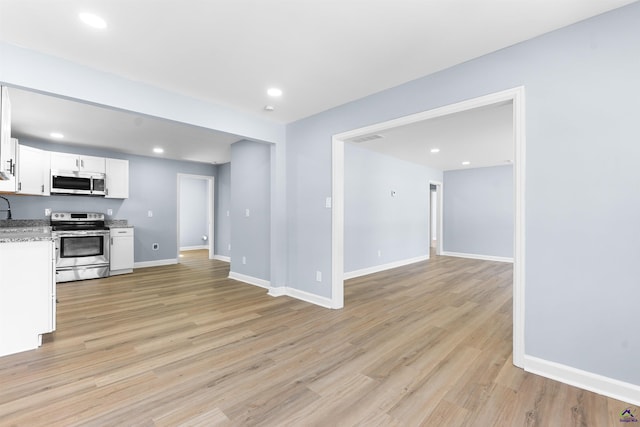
(366, 138)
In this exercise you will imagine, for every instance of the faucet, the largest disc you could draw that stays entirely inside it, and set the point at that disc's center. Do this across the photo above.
(8, 210)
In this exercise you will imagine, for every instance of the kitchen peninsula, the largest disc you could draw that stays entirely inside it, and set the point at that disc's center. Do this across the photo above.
(27, 284)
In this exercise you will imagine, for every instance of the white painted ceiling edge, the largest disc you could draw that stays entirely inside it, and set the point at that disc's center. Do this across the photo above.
(321, 53)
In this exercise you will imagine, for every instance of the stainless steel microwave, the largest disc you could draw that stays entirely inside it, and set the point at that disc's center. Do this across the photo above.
(87, 183)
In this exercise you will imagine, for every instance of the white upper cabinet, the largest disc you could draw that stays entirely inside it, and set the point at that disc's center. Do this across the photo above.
(34, 176)
(77, 163)
(7, 145)
(117, 179)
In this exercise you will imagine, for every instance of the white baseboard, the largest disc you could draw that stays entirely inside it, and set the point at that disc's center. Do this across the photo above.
(118, 272)
(620, 390)
(301, 295)
(379, 268)
(156, 263)
(194, 248)
(222, 258)
(477, 256)
(250, 280)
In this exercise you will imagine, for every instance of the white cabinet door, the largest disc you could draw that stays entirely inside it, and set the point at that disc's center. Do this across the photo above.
(64, 162)
(76, 163)
(7, 145)
(5, 124)
(121, 250)
(8, 165)
(117, 178)
(34, 176)
(92, 164)
(26, 284)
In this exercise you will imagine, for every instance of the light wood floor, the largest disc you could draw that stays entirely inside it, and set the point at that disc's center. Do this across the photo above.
(428, 344)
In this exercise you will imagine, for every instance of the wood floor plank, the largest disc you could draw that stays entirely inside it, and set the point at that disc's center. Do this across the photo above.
(184, 345)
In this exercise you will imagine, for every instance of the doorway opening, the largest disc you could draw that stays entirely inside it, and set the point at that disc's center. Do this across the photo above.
(435, 217)
(516, 97)
(195, 214)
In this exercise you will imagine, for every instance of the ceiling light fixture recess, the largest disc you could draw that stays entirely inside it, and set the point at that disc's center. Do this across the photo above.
(269, 108)
(466, 163)
(93, 20)
(274, 91)
(435, 150)
(158, 150)
(56, 135)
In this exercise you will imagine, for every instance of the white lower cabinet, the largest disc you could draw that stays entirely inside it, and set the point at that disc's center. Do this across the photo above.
(121, 251)
(27, 294)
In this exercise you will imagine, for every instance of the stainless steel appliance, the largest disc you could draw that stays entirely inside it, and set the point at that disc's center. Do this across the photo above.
(88, 183)
(82, 246)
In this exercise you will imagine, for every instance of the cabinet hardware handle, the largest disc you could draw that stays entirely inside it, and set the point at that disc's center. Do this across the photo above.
(19, 186)
(77, 163)
(43, 188)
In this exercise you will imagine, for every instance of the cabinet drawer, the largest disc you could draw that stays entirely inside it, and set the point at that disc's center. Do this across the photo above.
(117, 232)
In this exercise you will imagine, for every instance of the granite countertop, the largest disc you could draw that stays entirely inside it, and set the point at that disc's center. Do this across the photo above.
(117, 223)
(34, 230)
(25, 234)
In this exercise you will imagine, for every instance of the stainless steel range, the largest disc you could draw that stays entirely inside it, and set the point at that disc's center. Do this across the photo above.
(82, 246)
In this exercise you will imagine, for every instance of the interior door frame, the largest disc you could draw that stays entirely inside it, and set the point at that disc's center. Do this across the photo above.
(517, 97)
(210, 211)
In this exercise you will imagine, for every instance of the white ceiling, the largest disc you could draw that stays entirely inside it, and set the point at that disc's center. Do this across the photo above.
(483, 136)
(35, 116)
(321, 53)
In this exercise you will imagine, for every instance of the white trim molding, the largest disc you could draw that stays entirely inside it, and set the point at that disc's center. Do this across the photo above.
(250, 280)
(155, 263)
(478, 256)
(383, 267)
(616, 389)
(302, 295)
(222, 258)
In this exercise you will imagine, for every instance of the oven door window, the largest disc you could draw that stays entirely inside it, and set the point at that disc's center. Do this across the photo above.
(81, 246)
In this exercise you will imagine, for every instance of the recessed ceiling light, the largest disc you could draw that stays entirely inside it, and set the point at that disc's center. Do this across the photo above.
(466, 163)
(435, 150)
(56, 135)
(269, 108)
(274, 91)
(158, 150)
(93, 20)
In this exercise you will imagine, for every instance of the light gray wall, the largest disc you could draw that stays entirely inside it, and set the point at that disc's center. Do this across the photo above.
(153, 185)
(581, 151)
(375, 221)
(250, 237)
(223, 210)
(194, 223)
(478, 209)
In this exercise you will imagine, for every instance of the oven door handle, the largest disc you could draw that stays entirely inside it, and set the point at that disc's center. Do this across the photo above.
(81, 233)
